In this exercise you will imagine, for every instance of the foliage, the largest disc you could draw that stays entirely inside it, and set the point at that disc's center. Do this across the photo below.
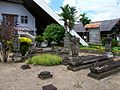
(85, 20)
(39, 39)
(116, 48)
(10, 45)
(54, 32)
(45, 60)
(68, 14)
(114, 42)
(25, 39)
(6, 34)
(24, 45)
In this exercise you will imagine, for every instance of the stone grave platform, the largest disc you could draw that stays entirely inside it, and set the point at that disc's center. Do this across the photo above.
(101, 71)
(86, 61)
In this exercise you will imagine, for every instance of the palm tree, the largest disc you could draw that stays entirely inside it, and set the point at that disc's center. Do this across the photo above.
(68, 16)
(65, 14)
(85, 20)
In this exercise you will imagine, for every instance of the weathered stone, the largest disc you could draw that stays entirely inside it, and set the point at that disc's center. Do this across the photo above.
(49, 87)
(108, 47)
(45, 75)
(103, 70)
(16, 57)
(26, 66)
(85, 62)
(74, 46)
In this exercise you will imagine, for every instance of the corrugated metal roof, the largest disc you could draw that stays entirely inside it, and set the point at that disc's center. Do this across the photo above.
(105, 25)
(79, 27)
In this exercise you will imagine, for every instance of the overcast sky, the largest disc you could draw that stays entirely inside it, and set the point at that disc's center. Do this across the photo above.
(96, 9)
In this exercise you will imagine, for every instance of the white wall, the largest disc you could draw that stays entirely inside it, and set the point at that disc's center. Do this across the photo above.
(20, 10)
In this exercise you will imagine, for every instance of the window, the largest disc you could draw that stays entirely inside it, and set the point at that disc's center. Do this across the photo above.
(24, 19)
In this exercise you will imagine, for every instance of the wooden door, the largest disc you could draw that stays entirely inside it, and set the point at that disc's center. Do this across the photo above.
(9, 19)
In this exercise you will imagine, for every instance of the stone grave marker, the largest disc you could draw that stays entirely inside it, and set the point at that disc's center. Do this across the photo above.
(49, 87)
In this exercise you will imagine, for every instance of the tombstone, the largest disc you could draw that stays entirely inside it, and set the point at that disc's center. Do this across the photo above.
(17, 57)
(45, 75)
(44, 44)
(25, 66)
(103, 70)
(49, 87)
(83, 62)
(108, 47)
(16, 48)
(66, 41)
(74, 46)
(53, 43)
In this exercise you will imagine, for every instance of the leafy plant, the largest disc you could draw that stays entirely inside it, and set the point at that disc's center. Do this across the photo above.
(114, 42)
(45, 60)
(85, 20)
(39, 39)
(68, 15)
(24, 45)
(25, 39)
(54, 32)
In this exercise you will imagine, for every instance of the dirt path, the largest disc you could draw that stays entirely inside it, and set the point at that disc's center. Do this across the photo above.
(12, 77)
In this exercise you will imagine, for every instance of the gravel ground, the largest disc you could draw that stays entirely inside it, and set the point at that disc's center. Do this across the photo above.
(12, 77)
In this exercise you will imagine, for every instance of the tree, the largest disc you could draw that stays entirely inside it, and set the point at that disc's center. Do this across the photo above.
(85, 20)
(54, 32)
(6, 35)
(68, 16)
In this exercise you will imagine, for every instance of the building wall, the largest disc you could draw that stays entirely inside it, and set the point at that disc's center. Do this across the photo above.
(17, 9)
(94, 36)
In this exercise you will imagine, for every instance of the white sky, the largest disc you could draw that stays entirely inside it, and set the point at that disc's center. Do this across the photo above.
(96, 9)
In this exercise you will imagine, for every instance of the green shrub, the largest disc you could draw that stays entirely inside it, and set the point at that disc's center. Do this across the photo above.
(54, 32)
(114, 42)
(24, 47)
(45, 60)
(39, 39)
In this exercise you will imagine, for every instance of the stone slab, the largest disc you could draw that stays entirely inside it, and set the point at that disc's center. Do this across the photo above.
(104, 74)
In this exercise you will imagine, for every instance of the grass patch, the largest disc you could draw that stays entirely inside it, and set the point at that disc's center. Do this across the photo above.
(45, 60)
(99, 48)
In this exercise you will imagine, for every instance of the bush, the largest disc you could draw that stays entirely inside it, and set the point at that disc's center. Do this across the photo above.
(39, 39)
(45, 60)
(25, 39)
(54, 32)
(24, 45)
(114, 42)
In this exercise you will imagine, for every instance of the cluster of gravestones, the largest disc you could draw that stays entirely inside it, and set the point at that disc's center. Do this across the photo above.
(100, 66)
(42, 75)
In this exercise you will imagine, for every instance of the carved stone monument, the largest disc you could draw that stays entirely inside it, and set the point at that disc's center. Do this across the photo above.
(66, 41)
(74, 46)
(16, 48)
(108, 47)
